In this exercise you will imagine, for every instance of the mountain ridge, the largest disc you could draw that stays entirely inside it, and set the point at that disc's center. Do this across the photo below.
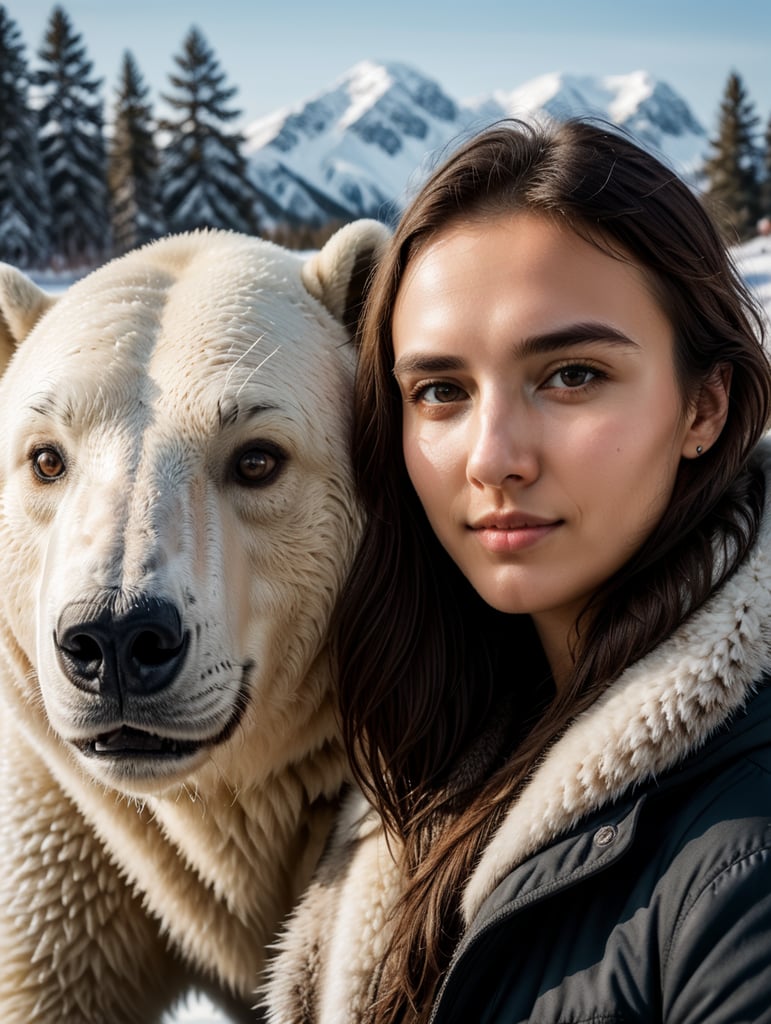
(359, 147)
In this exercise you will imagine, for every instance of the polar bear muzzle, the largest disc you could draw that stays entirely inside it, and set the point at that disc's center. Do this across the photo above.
(123, 652)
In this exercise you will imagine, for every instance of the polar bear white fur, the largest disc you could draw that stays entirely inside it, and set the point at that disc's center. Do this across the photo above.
(176, 519)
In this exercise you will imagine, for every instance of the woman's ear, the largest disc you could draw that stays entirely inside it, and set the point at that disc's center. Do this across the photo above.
(709, 412)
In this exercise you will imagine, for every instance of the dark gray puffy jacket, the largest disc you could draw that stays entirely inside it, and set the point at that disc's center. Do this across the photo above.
(657, 908)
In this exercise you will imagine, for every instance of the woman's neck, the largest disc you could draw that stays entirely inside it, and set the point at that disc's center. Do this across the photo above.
(557, 632)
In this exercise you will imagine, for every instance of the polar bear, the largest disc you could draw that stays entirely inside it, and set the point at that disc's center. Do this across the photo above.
(176, 519)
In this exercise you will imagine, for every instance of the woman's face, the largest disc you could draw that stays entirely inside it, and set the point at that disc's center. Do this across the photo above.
(543, 425)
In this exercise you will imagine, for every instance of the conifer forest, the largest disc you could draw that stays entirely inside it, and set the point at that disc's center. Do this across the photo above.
(75, 190)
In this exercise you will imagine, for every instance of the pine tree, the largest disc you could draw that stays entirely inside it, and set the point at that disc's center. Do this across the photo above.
(205, 180)
(133, 165)
(24, 212)
(72, 146)
(732, 193)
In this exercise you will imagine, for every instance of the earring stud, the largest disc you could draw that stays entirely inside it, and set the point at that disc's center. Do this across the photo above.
(699, 449)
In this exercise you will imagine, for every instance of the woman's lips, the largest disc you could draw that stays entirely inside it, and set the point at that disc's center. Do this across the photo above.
(503, 534)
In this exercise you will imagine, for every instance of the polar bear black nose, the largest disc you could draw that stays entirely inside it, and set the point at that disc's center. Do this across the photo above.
(113, 647)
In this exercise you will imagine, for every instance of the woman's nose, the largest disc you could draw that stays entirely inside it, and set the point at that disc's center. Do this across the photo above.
(503, 446)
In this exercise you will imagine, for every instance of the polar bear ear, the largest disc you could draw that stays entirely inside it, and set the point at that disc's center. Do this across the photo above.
(22, 304)
(338, 274)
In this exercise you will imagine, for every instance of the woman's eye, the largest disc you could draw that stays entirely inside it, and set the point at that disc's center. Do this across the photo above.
(574, 376)
(438, 394)
(256, 466)
(48, 464)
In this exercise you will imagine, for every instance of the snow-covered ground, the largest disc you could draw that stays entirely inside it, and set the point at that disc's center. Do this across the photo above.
(754, 261)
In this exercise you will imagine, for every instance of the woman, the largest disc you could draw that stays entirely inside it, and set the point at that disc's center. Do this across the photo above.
(555, 644)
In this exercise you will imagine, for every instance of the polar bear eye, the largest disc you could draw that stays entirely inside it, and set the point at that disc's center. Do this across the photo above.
(256, 465)
(48, 464)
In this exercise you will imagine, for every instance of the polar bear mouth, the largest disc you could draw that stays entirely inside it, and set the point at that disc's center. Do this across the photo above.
(129, 742)
(126, 743)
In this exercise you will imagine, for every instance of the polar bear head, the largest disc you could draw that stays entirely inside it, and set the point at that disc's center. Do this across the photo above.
(176, 508)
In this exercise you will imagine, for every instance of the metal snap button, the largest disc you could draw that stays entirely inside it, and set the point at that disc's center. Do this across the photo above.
(605, 835)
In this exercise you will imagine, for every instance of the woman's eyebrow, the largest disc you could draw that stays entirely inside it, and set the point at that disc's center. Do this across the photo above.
(537, 344)
(417, 363)
(573, 334)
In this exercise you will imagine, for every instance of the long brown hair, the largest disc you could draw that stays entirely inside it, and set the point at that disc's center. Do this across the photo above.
(422, 659)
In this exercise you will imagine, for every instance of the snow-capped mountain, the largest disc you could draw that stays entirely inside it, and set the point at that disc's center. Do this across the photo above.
(651, 110)
(358, 148)
(351, 150)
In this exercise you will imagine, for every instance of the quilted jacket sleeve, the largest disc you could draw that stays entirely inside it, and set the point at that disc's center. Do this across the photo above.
(718, 968)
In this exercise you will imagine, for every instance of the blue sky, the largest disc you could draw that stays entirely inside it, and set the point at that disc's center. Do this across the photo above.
(279, 53)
